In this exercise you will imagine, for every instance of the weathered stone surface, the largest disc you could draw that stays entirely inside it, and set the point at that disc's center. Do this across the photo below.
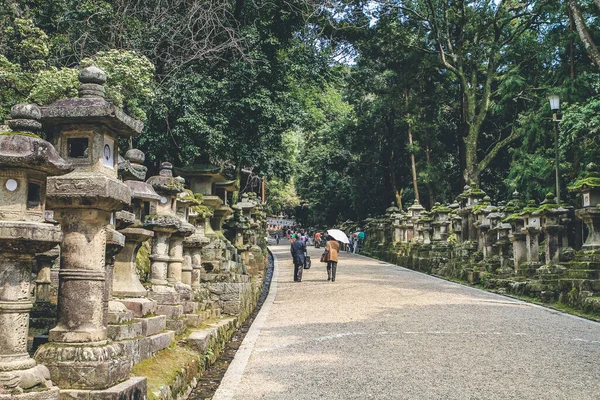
(52, 393)
(87, 189)
(85, 367)
(17, 151)
(125, 331)
(177, 325)
(140, 307)
(170, 311)
(160, 341)
(134, 388)
(152, 325)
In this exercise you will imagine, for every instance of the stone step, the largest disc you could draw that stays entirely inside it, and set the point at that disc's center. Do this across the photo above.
(133, 388)
(165, 297)
(195, 320)
(140, 307)
(177, 325)
(582, 274)
(160, 341)
(190, 307)
(124, 331)
(120, 317)
(152, 325)
(203, 339)
(170, 311)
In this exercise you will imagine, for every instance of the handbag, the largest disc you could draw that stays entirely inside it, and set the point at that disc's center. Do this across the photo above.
(307, 262)
(325, 256)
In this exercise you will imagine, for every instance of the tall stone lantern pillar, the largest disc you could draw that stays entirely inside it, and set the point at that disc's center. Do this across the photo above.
(126, 283)
(85, 132)
(25, 162)
(164, 223)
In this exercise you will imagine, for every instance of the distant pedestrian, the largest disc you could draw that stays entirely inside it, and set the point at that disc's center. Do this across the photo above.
(350, 244)
(298, 250)
(333, 247)
(317, 240)
(277, 237)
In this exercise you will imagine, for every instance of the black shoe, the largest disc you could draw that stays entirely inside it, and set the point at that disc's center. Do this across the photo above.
(333, 280)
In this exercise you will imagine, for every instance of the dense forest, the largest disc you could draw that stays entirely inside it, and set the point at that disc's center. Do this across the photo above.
(341, 106)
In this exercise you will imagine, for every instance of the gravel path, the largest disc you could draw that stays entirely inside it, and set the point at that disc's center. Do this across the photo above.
(385, 332)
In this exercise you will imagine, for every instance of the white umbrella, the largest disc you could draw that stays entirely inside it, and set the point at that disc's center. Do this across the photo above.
(338, 235)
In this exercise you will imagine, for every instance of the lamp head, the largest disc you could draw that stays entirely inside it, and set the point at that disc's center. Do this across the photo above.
(554, 102)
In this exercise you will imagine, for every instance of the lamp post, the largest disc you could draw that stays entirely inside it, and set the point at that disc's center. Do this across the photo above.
(555, 107)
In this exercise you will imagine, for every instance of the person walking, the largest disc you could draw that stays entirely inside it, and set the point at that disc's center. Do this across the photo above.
(277, 237)
(298, 250)
(333, 247)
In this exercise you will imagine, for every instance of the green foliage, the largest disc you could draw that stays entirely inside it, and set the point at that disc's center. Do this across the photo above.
(53, 84)
(129, 80)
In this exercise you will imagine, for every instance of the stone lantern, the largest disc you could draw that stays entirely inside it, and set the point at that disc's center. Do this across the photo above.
(182, 271)
(85, 132)
(414, 213)
(202, 178)
(532, 230)
(471, 197)
(440, 223)
(456, 222)
(25, 162)
(403, 228)
(144, 202)
(503, 230)
(481, 222)
(193, 244)
(551, 213)
(589, 187)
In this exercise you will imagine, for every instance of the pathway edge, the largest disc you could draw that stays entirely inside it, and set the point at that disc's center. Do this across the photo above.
(234, 373)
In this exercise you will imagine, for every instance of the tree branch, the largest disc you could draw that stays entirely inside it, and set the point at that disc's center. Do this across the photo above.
(584, 34)
(483, 164)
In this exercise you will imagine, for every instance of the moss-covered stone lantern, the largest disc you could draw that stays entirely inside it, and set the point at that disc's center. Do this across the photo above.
(25, 162)
(85, 131)
(589, 187)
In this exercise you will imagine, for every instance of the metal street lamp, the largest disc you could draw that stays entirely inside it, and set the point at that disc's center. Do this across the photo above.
(555, 107)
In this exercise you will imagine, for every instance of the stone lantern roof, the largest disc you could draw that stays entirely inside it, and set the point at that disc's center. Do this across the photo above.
(200, 170)
(164, 181)
(91, 107)
(21, 148)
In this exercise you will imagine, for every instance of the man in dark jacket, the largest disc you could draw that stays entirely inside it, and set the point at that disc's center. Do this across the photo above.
(298, 250)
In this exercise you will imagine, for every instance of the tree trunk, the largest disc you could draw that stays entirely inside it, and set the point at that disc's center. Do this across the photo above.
(238, 182)
(428, 161)
(571, 44)
(584, 34)
(412, 163)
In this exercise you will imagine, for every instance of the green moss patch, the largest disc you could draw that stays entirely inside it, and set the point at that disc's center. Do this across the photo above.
(162, 369)
(27, 134)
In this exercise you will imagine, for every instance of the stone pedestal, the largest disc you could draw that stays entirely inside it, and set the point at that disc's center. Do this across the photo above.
(519, 243)
(126, 282)
(25, 162)
(43, 281)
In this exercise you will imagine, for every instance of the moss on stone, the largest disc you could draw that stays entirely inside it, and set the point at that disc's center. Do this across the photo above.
(590, 181)
(512, 218)
(27, 134)
(165, 366)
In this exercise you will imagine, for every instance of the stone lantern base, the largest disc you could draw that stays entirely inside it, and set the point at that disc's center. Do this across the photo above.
(132, 389)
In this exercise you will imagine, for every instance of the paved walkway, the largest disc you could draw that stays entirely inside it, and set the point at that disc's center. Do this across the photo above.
(385, 332)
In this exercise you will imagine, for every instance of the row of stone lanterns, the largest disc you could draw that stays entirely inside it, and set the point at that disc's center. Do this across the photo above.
(503, 240)
(106, 211)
